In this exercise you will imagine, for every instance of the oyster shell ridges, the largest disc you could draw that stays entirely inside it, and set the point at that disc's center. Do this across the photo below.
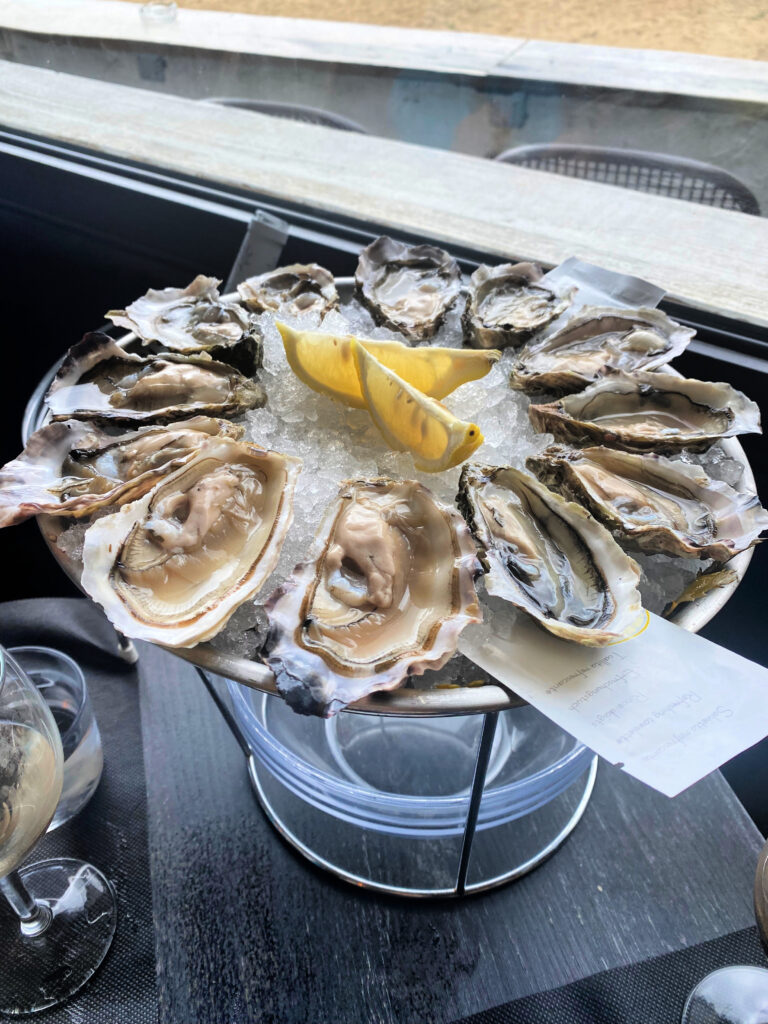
(100, 381)
(192, 320)
(296, 289)
(72, 468)
(385, 592)
(646, 411)
(174, 565)
(654, 504)
(409, 288)
(550, 557)
(596, 341)
(506, 304)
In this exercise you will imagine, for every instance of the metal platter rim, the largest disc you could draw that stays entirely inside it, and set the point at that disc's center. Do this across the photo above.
(405, 701)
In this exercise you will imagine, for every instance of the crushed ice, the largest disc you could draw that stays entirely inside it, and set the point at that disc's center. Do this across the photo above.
(336, 443)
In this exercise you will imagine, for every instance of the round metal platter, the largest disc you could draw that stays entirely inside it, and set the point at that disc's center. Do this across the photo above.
(692, 616)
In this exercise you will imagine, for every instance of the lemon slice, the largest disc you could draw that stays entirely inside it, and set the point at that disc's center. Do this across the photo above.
(324, 362)
(411, 421)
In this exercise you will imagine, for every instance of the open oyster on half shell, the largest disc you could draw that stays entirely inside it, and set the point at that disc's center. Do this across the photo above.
(192, 320)
(298, 288)
(597, 341)
(174, 565)
(100, 381)
(654, 504)
(642, 411)
(550, 557)
(72, 468)
(409, 288)
(386, 590)
(508, 303)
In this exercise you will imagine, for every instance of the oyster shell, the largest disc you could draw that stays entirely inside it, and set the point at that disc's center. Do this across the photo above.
(192, 320)
(98, 380)
(174, 565)
(72, 468)
(595, 342)
(506, 305)
(654, 504)
(550, 557)
(407, 287)
(385, 592)
(642, 411)
(298, 288)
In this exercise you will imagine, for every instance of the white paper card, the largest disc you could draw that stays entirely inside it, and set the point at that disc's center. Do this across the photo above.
(668, 706)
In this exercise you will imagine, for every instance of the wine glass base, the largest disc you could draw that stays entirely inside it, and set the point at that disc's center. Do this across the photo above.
(731, 995)
(50, 967)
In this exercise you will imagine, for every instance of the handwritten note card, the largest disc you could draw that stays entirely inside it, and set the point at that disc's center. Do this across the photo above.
(668, 706)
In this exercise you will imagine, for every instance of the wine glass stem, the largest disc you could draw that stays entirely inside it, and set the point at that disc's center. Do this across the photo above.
(34, 917)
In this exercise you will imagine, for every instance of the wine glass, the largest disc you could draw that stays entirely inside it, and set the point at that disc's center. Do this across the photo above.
(60, 915)
(736, 994)
(732, 995)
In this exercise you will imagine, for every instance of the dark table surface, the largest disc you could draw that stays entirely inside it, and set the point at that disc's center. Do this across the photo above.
(246, 930)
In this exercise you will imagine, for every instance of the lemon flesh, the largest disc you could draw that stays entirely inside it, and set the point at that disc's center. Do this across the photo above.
(412, 421)
(324, 362)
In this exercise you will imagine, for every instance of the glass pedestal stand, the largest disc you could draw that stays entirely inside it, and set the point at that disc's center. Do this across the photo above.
(416, 806)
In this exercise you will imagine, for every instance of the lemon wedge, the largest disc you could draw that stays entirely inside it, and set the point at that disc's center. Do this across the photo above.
(412, 421)
(325, 363)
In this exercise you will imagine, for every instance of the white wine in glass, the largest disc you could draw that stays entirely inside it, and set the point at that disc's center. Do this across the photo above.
(60, 915)
(30, 787)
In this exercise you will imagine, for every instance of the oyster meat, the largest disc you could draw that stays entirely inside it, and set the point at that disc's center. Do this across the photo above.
(654, 504)
(299, 288)
(409, 288)
(174, 565)
(385, 592)
(550, 557)
(642, 411)
(192, 320)
(507, 304)
(72, 468)
(595, 342)
(98, 380)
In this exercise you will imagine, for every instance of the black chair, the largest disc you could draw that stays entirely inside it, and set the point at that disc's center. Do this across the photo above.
(291, 112)
(657, 173)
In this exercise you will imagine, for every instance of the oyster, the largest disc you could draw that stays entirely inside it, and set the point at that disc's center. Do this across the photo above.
(506, 305)
(642, 411)
(192, 320)
(174, 565)
(385, 592)
(72, 468)
(299, 288)
(100, 381)
(550, 557)
(407, 287)
(595, 342)
(654, 504)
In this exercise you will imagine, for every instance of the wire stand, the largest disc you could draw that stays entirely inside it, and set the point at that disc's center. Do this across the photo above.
(462, 886)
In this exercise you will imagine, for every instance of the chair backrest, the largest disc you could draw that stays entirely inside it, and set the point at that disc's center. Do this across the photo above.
(657, 173)
(290, 111)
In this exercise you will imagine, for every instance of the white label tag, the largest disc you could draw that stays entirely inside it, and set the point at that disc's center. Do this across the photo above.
(668, 706)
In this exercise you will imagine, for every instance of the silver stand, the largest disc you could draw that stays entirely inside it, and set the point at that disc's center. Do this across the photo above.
(126, 649)
(461, 886)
